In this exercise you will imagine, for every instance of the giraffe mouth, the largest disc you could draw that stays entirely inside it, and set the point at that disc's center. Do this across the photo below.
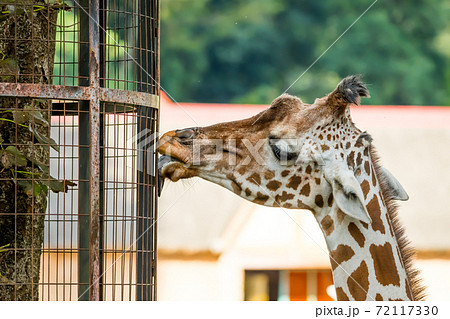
(171, 168)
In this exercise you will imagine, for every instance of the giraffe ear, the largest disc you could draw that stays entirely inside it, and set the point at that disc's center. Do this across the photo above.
(396, 189)
(347, 192)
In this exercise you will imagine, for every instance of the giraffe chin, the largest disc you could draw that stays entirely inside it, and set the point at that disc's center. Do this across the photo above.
(172, 169)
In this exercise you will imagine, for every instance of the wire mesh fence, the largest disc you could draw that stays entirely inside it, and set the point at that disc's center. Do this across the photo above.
(78, 113)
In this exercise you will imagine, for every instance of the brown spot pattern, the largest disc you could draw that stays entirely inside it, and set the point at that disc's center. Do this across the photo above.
(378, 297)
(284, 197)
(324, 147)
(294, 181)
(375, 213)
(351, 159)
(384, 264)
(341, 295)
(365, 186)
(356, 234)
(255, 179)
(242, 170)
(340, 215)
(285, 173)
(340, 254)
(236, 188)
(366, 151)
(273, 185)
(374, 178)
(358, 159)
(308, 169)
(358, 282)
(269, 174)
(319, 201)
(367, 167)
(248, 192)
(330, 200)
(327, 225)
(305, 190)
(261, 198)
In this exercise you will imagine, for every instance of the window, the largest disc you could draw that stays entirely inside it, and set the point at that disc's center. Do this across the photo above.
(261, 285)
(305, 284)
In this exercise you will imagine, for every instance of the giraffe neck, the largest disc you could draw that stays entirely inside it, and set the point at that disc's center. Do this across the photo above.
(366, 260)
(366, 265)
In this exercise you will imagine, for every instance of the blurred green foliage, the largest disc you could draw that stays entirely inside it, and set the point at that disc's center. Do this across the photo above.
(251, 51)
(65, 70)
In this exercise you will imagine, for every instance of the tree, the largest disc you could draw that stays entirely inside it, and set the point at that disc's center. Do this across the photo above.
(27, 46)
(251, 51)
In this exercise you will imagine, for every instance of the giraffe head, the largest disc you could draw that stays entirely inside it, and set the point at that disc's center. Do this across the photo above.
(293, 154)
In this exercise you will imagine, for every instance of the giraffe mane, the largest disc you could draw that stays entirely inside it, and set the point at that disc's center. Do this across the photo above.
(407, 252)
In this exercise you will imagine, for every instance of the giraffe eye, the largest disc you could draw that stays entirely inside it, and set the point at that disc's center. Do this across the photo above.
(282, 154)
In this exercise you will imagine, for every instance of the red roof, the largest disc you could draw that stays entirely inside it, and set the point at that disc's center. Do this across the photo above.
(365, 116)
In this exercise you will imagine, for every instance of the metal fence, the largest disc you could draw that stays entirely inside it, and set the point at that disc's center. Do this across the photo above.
(78, 111)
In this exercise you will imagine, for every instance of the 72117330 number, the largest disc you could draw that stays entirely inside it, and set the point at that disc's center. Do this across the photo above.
(407, 310)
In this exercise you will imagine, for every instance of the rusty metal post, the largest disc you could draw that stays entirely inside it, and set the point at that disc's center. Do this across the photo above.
(94, 176)
(98, 96)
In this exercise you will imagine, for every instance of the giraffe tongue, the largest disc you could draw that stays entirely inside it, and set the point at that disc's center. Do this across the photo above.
(162, 161)
(160, 184)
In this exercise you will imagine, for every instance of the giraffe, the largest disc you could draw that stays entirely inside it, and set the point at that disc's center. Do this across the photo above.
(311, 156)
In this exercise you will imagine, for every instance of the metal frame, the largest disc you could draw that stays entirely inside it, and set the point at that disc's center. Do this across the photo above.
(91, 96)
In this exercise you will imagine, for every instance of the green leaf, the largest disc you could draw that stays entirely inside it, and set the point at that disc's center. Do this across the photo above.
(8, 120)
(27, 186)
(14, 151)
(44, 168)
(2, 248)
(29, 173)
(39, 118)
(58, 186)
(14, 157)
(39, 188)
(43, 188)
(45, 140)
(34, 113)
(28, 114)
(20, 116)
(33, 188)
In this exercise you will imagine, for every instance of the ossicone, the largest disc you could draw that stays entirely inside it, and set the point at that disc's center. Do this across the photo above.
(349, 91)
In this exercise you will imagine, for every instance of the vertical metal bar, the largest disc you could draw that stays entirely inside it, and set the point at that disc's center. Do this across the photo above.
(94, 176)
(101, 203)
(146, 195)
(102, 148)
(84, 160)
(83, 204)
(156, 117)
(142, 266)
(140, 159)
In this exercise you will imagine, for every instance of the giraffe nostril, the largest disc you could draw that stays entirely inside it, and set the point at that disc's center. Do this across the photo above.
(187, 133)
